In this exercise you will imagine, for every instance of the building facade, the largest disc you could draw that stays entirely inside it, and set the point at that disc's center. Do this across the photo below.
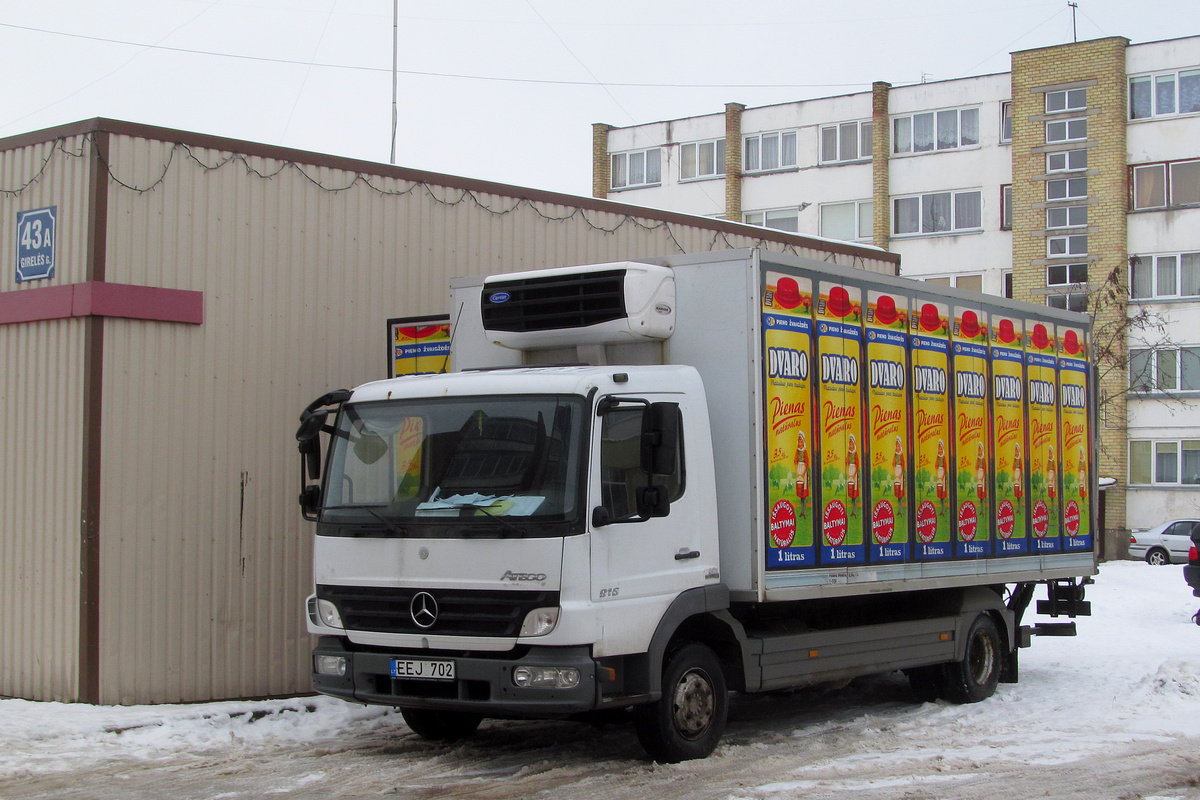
(169, 303)
(1073, 180)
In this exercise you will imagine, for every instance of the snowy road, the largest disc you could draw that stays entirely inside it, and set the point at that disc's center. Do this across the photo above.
(1113, 713)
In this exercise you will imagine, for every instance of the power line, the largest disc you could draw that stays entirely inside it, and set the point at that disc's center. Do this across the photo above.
(419, 73)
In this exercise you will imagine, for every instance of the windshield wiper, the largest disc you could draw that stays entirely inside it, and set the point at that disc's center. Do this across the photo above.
(516, 529)
(370, 509)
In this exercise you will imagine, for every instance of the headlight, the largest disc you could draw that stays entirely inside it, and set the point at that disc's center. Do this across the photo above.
(327, 615)
(539, 622)
(330, 665)
(546, 677)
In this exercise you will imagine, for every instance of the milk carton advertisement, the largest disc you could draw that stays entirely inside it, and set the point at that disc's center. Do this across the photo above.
(888, 435)
(972, 446)
(1041, 373)
(840, 423)
(1075, 437)
(932, 503)
(787, 341)
(1009, 447)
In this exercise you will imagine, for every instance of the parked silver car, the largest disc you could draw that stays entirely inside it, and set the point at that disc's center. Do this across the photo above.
(1167, 543)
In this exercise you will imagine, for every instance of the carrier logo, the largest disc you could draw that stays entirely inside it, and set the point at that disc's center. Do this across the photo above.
(1041, 393)
(523, 576)
(929, 380)
(839, 369)
(784, 362)
(423, 609)
(1073, 396)
(1008, 388)
(970, 384)
(886, 375)
(499, 297)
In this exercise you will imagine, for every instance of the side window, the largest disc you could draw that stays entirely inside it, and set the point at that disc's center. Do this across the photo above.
(621, 473)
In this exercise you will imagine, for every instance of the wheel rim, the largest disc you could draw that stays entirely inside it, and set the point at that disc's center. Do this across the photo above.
(1157, 559)
(693, 704)
(982, 660)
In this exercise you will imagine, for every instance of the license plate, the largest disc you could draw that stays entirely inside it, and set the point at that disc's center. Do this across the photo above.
(423, 670)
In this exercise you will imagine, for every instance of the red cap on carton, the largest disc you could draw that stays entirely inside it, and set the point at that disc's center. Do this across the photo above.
(839, 301)
(1071, 342)
(1007, 334)
(787, 293)
(969, 327)
(885, 310)
(1040, 340)
(930, 320)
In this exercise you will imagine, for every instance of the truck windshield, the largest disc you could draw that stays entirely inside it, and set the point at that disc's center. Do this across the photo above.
(499, 466)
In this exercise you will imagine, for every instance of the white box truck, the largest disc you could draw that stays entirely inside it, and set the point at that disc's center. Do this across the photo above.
(644, 485)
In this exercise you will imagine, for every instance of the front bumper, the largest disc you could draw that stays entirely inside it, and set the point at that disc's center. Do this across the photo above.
(481, 685)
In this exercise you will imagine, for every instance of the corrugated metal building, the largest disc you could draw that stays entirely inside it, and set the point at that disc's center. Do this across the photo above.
(204, 291)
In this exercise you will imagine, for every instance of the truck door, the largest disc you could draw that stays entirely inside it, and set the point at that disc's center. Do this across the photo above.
(646, 537)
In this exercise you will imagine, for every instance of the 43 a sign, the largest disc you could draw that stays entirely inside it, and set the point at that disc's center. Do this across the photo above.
(35, 243)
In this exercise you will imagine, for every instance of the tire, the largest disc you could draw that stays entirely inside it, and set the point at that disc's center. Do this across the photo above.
(975, 677)
(441, 726)
(1158, 557)
(928, 683)
(688, 721)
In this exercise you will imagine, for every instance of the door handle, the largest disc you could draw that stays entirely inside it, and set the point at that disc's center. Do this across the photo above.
(683, 555)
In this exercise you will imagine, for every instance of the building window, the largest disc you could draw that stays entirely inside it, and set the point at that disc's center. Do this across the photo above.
(1066, 161)
(1066, 130)
(1008, 285)
(1006, 207)
(701, 159)
(1061, 246)
(1164, 462)
(1006, 121)
(1066, 274)
(1067, 217)
(1166, 369)
(941, 212)
(973, 283)
(763, 152)
(783, 219)
(849, 141)
(1068, 301)
(1164, 94)
(1066, 188)
(1166, 185)
(1176, 275)
(847, 221)
(936, 130)
(1066, 100)
(639, 168)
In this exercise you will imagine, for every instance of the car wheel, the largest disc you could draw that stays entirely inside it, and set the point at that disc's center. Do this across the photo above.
(688, 721)
(1158, 557)
(975, 677)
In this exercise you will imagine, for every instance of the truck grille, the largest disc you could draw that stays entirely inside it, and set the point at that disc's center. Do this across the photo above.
(459, 612)
(555, 302)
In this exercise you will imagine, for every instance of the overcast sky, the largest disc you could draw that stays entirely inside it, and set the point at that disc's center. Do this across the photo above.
(502, 90)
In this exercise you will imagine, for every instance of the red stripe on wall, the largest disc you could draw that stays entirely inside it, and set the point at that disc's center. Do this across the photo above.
(101, 299)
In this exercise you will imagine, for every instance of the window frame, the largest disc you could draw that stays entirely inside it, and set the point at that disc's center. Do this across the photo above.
(1067, 156)
(765, 213)
(783, 135)
(1166, 169)
(1152, 263)
(1155, 371)
(935, 117)
(1067, 245)
(1149, 462)
(718, 159)
(1066, 95)
(1006, 122)
(863, 132)
(1152, 81)
(1067, 123)
(1074, 187)
(1006, 211)
(953, 230)
(626, 160)
(858, 219)
(1072, 271)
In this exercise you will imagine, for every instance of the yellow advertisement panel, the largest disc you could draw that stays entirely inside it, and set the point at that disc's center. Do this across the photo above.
(419, 345)
(1076, 438)
(930, 330)
(787, 344)
(973, 514)
(840, 407)
(1041, 373)
(1008, 436)
(887, 426)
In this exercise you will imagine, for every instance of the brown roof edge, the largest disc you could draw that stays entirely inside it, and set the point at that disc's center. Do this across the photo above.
(143, 131)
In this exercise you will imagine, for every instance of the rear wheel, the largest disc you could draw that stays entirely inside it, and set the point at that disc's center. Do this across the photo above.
(1158, 557)
(688, 721)
(975, 677)
(441, 726)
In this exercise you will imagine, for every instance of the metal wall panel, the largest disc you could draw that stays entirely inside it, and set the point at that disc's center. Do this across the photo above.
(204, 561)
(41, 433)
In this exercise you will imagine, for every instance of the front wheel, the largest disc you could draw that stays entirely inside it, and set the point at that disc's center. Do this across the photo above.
(687, 722)
(975, 677)
(440, 726)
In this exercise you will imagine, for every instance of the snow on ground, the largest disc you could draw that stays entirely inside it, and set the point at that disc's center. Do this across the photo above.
(1111, 713)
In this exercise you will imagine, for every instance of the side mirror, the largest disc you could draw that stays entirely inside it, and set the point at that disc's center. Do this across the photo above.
(653, 501)
(310, 502)
(660, 439)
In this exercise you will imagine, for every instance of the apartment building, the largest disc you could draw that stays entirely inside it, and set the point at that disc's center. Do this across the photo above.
(1072, 180)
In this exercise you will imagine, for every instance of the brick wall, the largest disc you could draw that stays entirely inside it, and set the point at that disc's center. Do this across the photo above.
(733, 161)
(601, 163)
(881, 154)
(1099, 67)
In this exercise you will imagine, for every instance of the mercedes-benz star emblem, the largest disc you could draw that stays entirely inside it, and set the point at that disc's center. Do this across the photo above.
(424, 610)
